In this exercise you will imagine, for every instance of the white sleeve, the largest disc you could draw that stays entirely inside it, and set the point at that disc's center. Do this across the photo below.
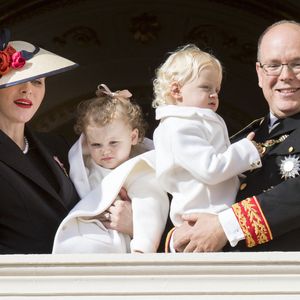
(150, 208)
(208, 165)
(231, 227)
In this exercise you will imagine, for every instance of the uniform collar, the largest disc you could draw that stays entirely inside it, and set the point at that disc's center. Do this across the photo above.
(286, 125)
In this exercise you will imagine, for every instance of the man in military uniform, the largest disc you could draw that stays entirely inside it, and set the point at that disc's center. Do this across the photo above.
(266, 216)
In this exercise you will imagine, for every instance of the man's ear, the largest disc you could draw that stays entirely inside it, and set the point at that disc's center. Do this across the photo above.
(175, 91)
(259, 71)
(134, 136)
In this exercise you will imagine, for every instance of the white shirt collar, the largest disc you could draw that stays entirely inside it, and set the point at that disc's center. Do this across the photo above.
(273, 119)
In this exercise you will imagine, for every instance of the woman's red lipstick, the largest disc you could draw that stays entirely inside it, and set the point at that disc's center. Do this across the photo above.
(24, 103)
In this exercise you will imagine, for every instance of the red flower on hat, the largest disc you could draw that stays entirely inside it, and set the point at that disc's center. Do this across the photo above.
(18, 60)
(10, 50)
(4, 62)
(10, 58)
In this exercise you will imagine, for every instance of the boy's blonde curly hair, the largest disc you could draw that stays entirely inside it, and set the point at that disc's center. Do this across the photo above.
(182, 66)
(108, 106)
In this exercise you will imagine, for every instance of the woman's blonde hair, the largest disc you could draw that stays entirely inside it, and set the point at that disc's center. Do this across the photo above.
(107, 107)
(182, 66)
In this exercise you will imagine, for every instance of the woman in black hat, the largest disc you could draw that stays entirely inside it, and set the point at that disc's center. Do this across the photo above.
(36, 193)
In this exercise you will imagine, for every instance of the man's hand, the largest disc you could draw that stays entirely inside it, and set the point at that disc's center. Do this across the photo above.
(119, 215)
(199, 233)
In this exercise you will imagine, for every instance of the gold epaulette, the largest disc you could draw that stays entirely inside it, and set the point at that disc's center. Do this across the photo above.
(260, 120)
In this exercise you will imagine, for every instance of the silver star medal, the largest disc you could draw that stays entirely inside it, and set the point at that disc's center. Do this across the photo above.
(290, 167)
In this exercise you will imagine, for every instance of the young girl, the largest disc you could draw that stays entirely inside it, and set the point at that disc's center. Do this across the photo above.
(195, 161)
(112, 129)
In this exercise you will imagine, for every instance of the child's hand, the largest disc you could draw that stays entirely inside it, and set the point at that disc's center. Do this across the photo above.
(258, 146)
(251, 136)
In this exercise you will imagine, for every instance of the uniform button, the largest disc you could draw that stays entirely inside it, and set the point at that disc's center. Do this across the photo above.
(243, 186)
(291, 149)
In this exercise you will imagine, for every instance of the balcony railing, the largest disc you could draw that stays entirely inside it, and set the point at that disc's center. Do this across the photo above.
(272, 275)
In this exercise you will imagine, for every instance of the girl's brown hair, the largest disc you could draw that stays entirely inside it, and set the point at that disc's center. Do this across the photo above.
(108, 106)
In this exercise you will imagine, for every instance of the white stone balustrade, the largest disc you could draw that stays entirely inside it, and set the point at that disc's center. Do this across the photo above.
(270, 275)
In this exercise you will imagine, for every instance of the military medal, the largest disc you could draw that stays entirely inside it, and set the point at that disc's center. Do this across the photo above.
(262, 147)
(290, 167)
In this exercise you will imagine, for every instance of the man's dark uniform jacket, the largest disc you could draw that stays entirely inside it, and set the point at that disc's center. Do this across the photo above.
(268, 201)
(35, 193)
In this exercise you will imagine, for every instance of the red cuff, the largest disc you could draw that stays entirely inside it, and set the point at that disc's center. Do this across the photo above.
(252, 221)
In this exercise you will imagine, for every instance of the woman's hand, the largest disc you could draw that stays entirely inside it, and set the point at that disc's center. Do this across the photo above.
(119, 215)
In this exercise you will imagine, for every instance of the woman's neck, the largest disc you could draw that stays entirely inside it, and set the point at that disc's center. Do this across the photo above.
(15, 133)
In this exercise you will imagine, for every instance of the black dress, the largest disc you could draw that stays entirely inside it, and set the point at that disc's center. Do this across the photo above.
(35, 193)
